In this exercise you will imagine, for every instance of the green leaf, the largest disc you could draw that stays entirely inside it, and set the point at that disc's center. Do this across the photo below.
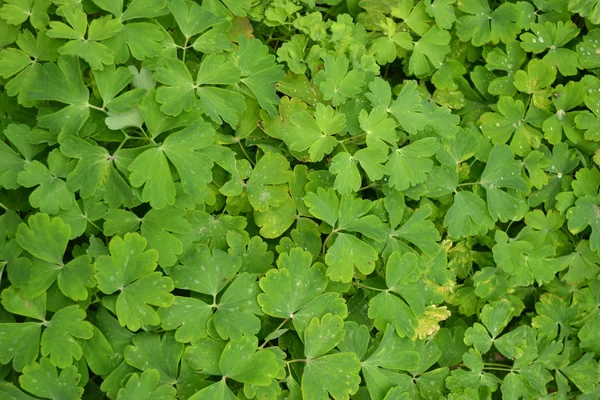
(496, 316)
(150, 350)
(326, 303)
(159, 228)
(145, 386)
(34, 308)
(216, 391)
(349, 252)
(206, 271)
(348, 179)
(394, 352)
(259, 71)
(152, 170)
(58, 339)
(409, 165)
(540, 74)
(95, 173)
(420, 231)
(51, 194)
(20, 343)
(315, 134)
(130, 270)
(583, 373)
(44, 238)
(97, 352)
(500, 127)
(361, 199)
(47, 240)
(275, 221)
(467, 216)
(586, 212)
(479, 337)
(8, 389)
(322, 336)
(429, 52)
(402, 269)
(294, 283)
(88, 48)
(442, 11)
(62, 82)
(189, 316)
(178, 94)
(524, 261)
(341, 371)
(262, 187)
(502, 171)
(237, 310)
(44, 380)
(587, 9)
(324, 205)
(336, 82)
(481, 25)
(190, 17)
(142, 39)
(385, 308)
(408, 109)
(15, 12)
(242, 362)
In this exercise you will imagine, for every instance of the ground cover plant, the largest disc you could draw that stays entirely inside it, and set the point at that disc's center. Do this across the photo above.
(299, 199)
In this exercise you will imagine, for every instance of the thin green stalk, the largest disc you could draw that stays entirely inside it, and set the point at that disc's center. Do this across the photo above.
(326, 240)
(102, 109)
(244, 151)
(498, 369)
(275, 330)
(185, 46)
(360, 285)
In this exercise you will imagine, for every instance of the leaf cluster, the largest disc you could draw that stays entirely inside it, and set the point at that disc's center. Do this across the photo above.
(299, 199)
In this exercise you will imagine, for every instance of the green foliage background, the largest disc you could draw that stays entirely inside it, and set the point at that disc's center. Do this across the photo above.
(299, 199)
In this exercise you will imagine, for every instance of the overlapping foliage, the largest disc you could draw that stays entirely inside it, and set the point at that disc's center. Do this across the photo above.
(299, 199)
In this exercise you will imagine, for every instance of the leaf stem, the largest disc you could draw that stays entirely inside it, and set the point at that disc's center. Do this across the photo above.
(146, 135)
(569, 234)
(493, 367)
(498, 369)
(360, 285)
(369, 186)
(296, 360)
(326, 240)
(493, 364)
(244, 151)
(97, 108)
(127, 137)
(361, 135)
(185, 48)
(275, 330)
(94, 225)
(344, 147)
(469, 184)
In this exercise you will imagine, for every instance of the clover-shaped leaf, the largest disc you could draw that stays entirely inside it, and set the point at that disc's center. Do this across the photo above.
(87, 47)
(292, 285)
(130, 269)
(46, 239)
(340, 368)
(44, 380)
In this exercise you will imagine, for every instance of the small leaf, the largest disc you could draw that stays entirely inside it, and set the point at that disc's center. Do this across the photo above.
(43, 380)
